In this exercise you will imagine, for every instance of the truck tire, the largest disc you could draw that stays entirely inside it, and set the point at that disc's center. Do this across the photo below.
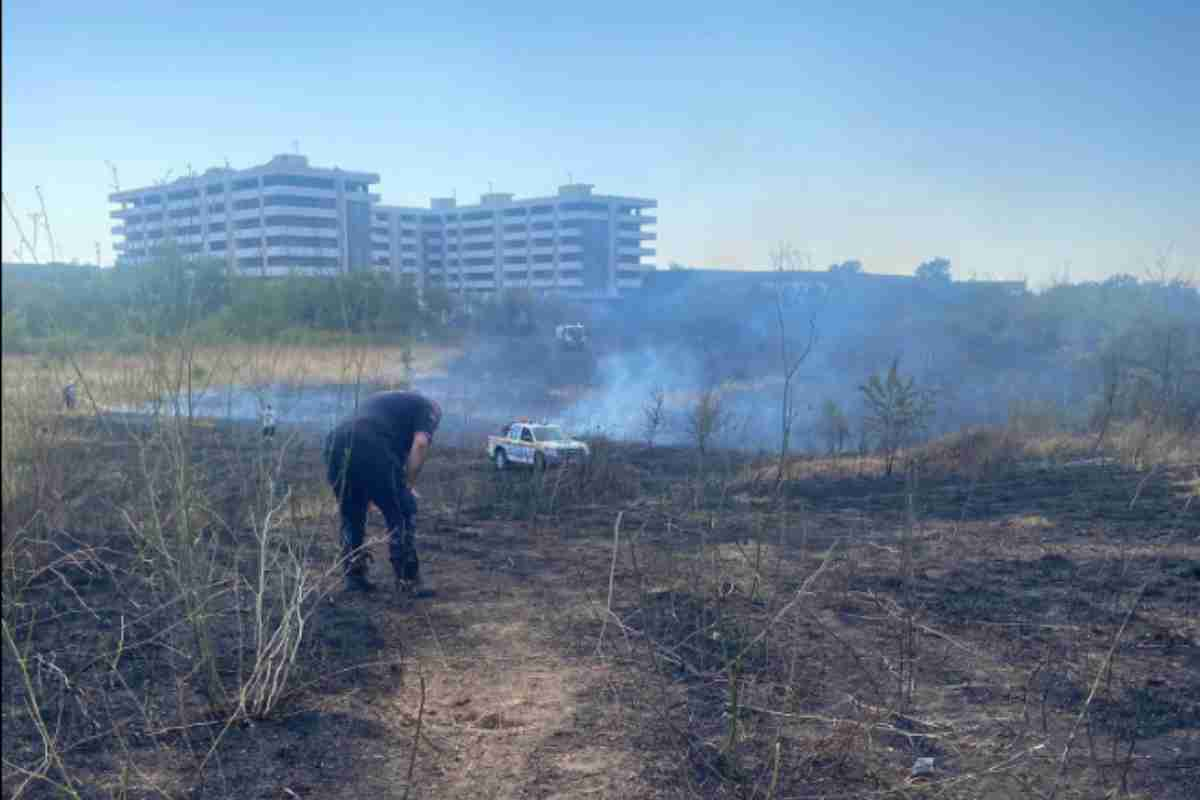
(501, 459)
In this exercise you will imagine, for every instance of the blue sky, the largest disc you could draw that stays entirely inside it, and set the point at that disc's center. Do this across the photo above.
(1017, 143)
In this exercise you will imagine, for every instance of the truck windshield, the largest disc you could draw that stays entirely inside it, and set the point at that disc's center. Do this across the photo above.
(547, 433)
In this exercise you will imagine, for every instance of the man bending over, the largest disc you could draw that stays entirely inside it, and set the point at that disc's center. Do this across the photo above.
(375, 457)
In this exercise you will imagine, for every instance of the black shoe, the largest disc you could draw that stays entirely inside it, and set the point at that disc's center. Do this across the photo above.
(357, 582)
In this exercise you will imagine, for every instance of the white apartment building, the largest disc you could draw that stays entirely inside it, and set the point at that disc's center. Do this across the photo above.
(278, 218)
(286, 217)
(577, 242)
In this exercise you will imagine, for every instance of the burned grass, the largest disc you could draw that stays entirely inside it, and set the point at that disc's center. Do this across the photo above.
(651, 626)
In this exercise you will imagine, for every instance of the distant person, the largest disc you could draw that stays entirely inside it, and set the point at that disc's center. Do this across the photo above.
(375, 457)
(268, 430)
(69, 396)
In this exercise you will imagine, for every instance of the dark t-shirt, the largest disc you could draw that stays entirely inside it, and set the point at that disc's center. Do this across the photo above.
(395, 418)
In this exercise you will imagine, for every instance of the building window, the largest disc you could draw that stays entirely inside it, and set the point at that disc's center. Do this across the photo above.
(515, 228)
(182, 213)
(541, 210)
(514, 212)
(216, 228)
(215, 188)
(571, 240)
(152, 218)
(583, 207)
(543, 259)
(292, 221)
(543, 242)
(629, 274)
(571, 257)
(476, 262)
(543, 275)
(216, 208)
(245, 183)
(477, 231)
(300, 241)
(298, 201)
(474, 216)
(629, 259)
(302, 261)
(244, 243)
(242, 205)
(477, 246)
(249, 261)
(187, 230)
(629, 226)
(218, 246)
(185, 194)
(245, 224)
(299, 180)
(379, 230)
(514, 260)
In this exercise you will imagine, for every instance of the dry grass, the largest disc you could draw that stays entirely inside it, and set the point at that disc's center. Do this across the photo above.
(113, 380)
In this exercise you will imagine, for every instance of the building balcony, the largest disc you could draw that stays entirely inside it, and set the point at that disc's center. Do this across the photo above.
(291, 250)
(478, 238)
(567, 216)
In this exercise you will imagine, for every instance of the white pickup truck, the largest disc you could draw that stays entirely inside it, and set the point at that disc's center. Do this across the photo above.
(536, 444)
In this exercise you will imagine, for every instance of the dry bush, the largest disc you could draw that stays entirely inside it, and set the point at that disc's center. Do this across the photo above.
(155, 576)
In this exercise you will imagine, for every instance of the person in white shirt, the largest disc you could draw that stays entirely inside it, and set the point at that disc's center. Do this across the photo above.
(268, 416)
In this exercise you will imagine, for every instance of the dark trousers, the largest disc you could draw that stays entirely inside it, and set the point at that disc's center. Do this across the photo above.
(363, 470)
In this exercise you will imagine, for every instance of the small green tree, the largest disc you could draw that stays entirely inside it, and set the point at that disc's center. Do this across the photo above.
(834, 426)
(896, 410)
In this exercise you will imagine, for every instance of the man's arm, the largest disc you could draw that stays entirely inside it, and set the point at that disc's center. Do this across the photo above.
(417, 456)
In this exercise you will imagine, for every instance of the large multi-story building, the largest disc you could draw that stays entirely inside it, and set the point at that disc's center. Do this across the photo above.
(286, 217)
(283, 216)
(578, 242)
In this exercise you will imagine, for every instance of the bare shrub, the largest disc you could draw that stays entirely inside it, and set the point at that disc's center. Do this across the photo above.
(706, 419)
(653, 414)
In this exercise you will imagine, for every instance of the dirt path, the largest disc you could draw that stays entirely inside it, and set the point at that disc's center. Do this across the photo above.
(509, 713)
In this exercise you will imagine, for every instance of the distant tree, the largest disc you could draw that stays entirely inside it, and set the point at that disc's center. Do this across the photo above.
(853, 267)
(896, 410)
(834, 426)
(1122, 281)
(936, 270)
